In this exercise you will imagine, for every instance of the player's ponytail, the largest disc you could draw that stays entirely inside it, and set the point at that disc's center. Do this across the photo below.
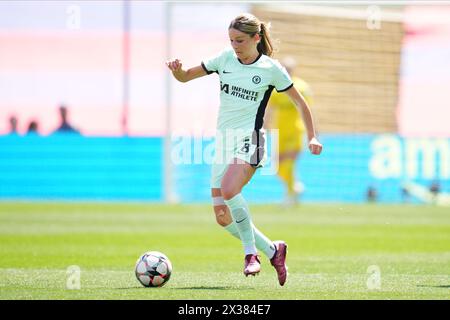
(251, 25)
(265, 45)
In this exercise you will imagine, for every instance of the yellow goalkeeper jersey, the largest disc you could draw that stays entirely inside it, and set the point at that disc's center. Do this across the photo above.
(287, 118)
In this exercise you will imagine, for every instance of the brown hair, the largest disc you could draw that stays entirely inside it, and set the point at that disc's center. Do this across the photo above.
(251, 25)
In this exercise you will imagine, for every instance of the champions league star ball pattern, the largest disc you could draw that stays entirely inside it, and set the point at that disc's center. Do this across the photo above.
(153, 269)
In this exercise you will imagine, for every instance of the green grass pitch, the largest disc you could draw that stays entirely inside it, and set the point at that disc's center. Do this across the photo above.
(331, 251)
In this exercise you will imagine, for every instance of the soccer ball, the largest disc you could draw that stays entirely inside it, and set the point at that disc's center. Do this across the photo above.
(153, 269)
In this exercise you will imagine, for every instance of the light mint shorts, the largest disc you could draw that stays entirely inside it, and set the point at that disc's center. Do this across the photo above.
(249, 146)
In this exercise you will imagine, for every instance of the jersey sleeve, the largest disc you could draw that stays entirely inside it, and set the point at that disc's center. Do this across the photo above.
(214, 63)
(281, 80)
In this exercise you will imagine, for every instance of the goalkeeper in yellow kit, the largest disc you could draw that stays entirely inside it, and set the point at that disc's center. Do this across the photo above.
(284, 116)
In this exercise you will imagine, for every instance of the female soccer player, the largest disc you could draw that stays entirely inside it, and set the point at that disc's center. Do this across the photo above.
(247, 75)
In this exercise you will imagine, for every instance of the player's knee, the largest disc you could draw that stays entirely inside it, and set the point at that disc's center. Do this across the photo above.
(221, 211)
(222, 216)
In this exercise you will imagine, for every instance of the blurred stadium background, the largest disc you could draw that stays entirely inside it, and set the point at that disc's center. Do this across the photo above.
(380, 76)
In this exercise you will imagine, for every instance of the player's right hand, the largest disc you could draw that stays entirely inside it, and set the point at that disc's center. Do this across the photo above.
(174, 65)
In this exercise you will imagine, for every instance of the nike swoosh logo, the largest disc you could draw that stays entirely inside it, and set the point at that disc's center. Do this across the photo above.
(240, 220)
(226, 71)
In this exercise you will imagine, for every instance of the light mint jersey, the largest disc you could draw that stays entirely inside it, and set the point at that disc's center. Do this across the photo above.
(245, 88)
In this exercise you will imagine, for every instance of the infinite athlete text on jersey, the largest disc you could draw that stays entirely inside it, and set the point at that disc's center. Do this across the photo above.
(239, 92)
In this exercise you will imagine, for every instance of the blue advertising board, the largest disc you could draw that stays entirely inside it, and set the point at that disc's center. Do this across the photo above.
(66, 167)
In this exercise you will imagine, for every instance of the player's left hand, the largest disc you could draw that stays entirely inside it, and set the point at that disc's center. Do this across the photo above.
(315, 146)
